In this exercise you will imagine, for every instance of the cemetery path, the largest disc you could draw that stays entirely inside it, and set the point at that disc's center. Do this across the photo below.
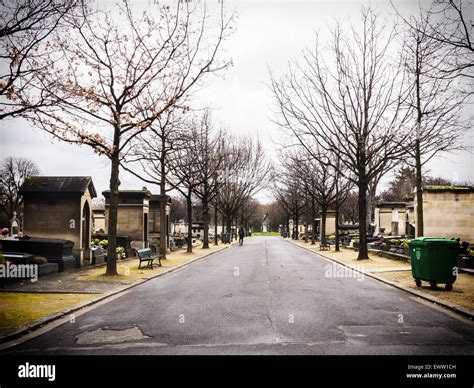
(265, 297)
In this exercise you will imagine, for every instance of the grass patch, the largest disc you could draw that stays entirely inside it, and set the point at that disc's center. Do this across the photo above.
(128, 270)
(19, 309)
(256, 234)
(462, 293)
(126, 273)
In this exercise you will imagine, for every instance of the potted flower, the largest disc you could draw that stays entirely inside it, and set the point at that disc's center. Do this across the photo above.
(4, 232)
(120, 253)
(104, 243)
(95, 242)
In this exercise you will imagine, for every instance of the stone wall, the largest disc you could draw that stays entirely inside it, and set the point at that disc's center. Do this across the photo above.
(384, 218)
(129, 221)
(53, 217)
(99, 221)
(449, 214)
(155, 218)
(330, 223)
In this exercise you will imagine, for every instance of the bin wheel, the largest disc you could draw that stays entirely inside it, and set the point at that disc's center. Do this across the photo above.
(448, 286)
(418, 282)
(433, 285)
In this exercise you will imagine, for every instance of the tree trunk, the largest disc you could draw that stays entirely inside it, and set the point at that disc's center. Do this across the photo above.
(371, 202)
(419, 192)
(306, 221)
(224, 224)
(287, 226)
(162, 209)
(295, 225)
(323, 224)
(337, 223)
(419, 189)
(336, 248)
(291, 233)
(205, 218)
(189, 211)
(232, 223)
(313, 222)
(362, 204)
(113, 210)
(215, 225)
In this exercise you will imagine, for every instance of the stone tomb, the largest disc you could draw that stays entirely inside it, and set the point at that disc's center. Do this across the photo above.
(390, 218)
(60, 208)
(54, 250)
(132, 216)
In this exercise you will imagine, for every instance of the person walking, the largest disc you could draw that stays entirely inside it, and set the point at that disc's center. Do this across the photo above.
(241, 236)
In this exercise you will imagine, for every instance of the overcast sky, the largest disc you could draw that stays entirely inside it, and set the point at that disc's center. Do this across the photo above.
(269, 34)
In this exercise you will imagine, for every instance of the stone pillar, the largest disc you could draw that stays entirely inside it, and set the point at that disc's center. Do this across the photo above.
(14, 226)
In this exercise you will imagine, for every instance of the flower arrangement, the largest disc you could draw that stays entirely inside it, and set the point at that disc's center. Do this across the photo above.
(95, 242)
(104, 243)
(120, 252)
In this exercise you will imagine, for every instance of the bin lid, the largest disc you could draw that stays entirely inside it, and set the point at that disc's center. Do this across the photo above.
(432, 240)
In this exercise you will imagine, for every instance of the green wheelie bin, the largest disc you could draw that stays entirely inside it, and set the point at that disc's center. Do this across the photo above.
(226, 238)
(434, 260)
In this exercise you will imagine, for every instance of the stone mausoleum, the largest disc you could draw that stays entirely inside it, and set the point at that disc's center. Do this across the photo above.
(390, 218)
(133, 215)
(448, 211)
(60, 208)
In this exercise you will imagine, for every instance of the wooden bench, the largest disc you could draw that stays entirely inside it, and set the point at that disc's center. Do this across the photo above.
(146, 255)
(324, 246)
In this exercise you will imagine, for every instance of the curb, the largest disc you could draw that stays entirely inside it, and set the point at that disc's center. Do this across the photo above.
(451, 306)
(50, 318)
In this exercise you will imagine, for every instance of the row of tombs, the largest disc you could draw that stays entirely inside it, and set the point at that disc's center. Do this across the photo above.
(60, 221)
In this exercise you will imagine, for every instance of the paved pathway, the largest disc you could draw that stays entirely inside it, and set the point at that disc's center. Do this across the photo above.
(266, 297)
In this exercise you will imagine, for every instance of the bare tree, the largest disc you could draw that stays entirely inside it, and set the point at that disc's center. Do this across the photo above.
(178, 210)
(437, 104)
(349, 209)
(245, 174)
(250, 214)
(277, 215)
(289, 190)
(351, 106)
(448, 25)
(281, 196)
(26, 26)
(13, 173)
(343, 187)
(209, 159)
(316, 182)
(184, 172)
(156, 152)
(121, 73)
(323, 183)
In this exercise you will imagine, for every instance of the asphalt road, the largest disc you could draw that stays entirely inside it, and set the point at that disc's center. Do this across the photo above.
(266, 297)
